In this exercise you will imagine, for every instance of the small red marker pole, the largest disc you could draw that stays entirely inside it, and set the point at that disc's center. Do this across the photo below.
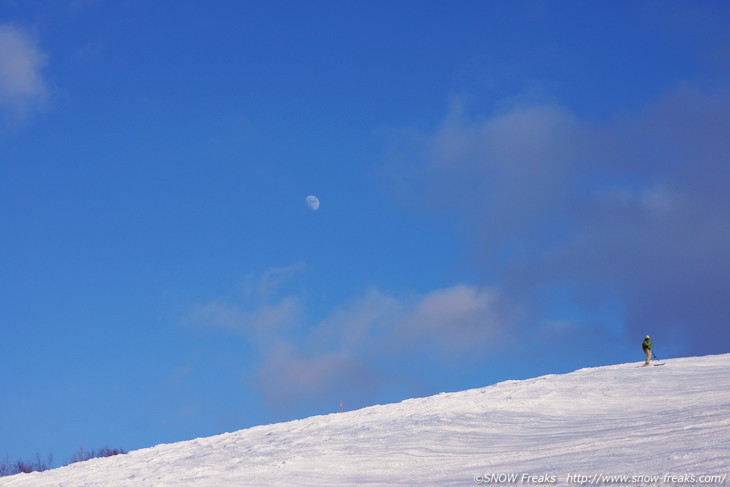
(340, 405)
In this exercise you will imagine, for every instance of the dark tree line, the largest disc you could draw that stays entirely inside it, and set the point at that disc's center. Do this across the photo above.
(8, 467)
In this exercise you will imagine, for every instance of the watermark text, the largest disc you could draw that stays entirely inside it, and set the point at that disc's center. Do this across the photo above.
(599, 478)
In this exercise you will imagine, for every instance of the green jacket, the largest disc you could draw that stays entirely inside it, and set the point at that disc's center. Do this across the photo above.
(646, 345)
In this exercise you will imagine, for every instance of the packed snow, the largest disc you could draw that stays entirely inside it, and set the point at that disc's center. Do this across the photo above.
(619, 424)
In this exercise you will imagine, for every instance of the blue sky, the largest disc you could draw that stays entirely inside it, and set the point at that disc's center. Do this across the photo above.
(508, 189)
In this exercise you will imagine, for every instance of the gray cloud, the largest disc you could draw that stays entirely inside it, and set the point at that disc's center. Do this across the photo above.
(291, 377)
(632, 211)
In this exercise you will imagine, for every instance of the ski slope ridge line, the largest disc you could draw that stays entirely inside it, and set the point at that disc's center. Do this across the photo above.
(643, 423)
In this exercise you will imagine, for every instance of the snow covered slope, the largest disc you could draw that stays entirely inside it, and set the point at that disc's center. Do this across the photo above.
(617, 420)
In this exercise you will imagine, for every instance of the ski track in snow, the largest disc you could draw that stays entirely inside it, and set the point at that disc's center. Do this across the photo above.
(616, 419)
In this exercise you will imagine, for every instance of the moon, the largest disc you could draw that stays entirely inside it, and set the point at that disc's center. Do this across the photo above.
(312, 202)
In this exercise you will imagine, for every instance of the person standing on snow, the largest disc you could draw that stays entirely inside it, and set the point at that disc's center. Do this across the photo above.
(646, 345)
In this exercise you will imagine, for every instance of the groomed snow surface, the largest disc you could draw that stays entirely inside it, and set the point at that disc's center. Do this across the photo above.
(641, 424)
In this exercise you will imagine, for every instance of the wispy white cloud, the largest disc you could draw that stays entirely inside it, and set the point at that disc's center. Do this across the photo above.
(262, 311)
(271, 281)
(352, 325)
(349, 351)
(266, 320)
(456, 319)
(451, 320)
(23, 89)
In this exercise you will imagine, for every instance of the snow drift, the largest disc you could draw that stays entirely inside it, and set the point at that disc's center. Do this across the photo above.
(618, 424)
